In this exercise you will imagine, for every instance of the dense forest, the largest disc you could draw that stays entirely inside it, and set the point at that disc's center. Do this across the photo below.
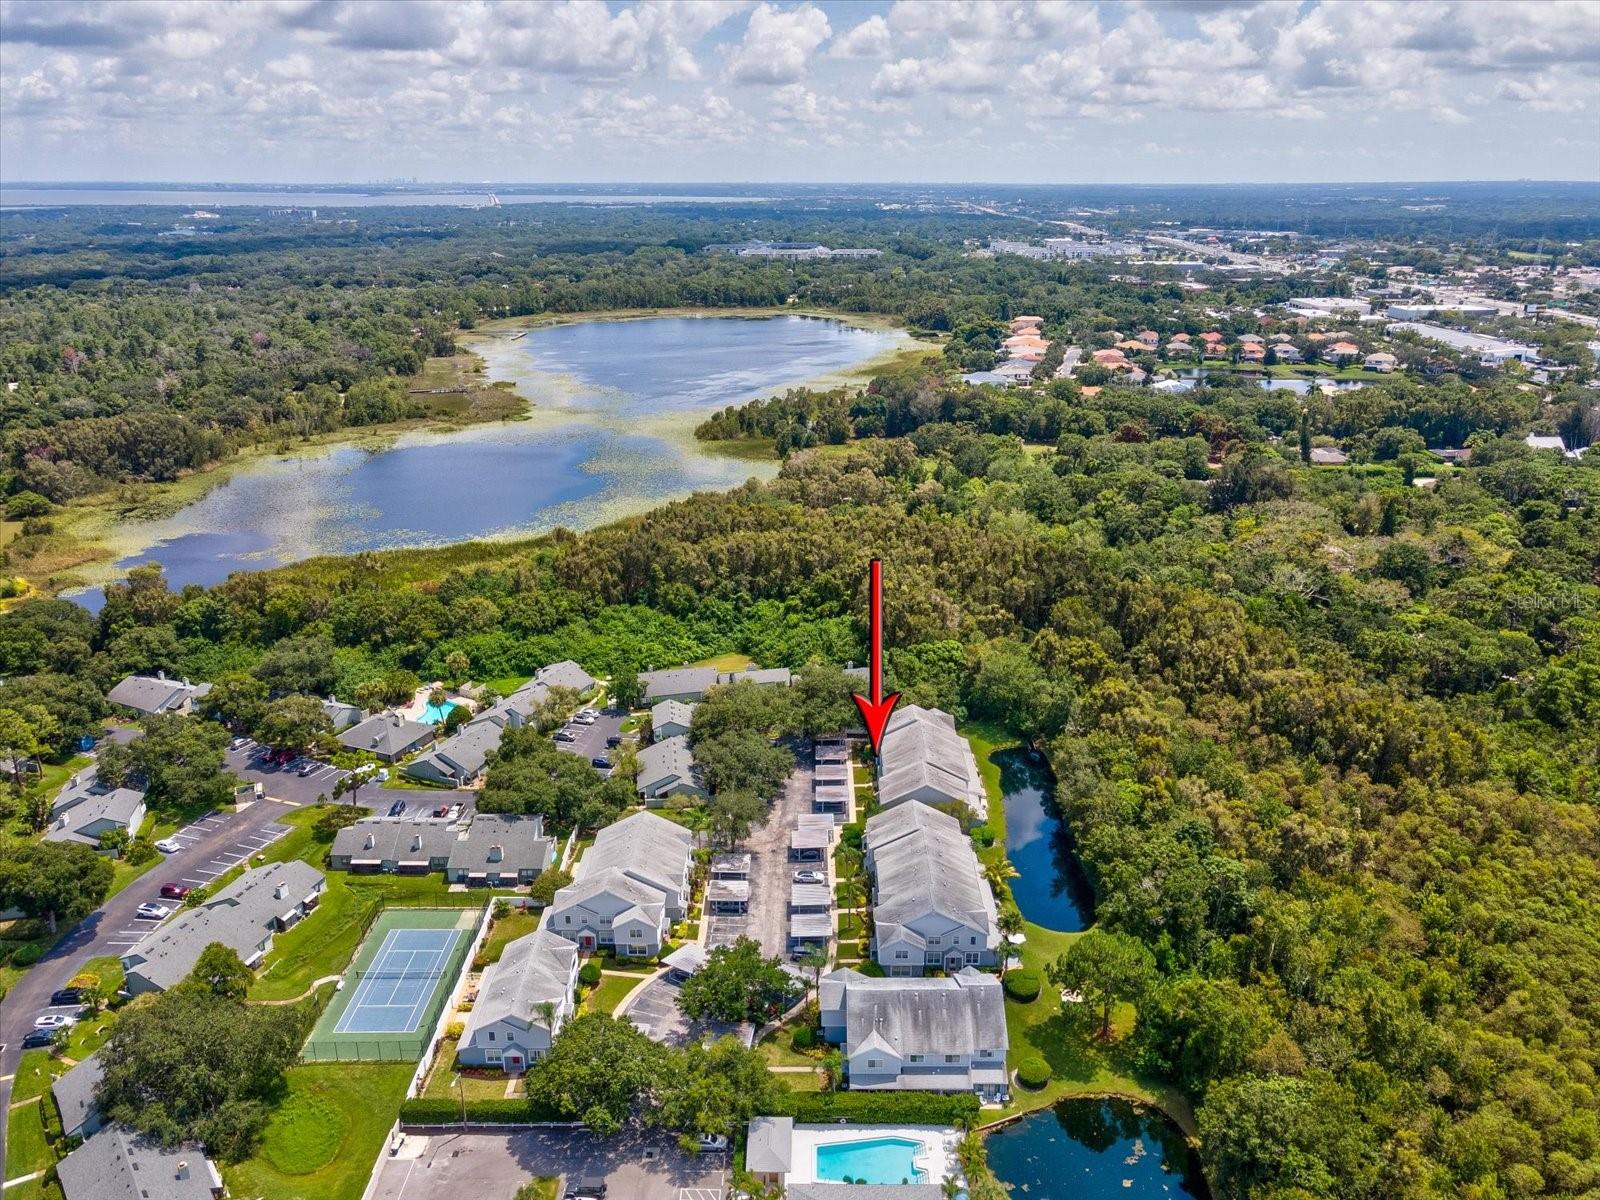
(1329, 743)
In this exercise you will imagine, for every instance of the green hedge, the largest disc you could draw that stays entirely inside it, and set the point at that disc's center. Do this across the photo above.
(1024, 985)
(441, 1111)
(881, 1108)
(589, 974)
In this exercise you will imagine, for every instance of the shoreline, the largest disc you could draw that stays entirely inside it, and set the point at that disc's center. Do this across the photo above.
(95, 532)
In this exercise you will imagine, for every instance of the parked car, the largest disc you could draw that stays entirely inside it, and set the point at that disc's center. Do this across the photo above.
(174, 891)
(36, 1038)
(238, 742)
(809, 877)
(712, 1141)
(54, 1021)
(455, 811)
(64, 996)
(150, 911)
(442, 811)
(586, 716)
(169, 845)
(308, 767)
(566, 735)
(601, 761)
(398, 807)
(586, 1187)
(614, 740)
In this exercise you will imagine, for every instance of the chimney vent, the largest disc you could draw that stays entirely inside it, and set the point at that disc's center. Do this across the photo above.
(183, 1169)
(281, 892)
(496, 853)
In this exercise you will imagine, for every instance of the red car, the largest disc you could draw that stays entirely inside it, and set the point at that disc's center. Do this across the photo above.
(173, 891)
(442, 811)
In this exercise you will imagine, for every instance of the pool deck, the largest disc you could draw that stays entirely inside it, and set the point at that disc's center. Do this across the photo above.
(937, 1157)
(418, 708)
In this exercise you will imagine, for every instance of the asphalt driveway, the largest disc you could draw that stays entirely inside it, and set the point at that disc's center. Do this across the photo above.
(637, 1165)
(249, 763)
(771, 872)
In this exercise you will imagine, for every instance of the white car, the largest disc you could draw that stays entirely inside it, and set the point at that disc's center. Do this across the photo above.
(169, 845)
(454, 813)
(152, 912)
(712, 1141)
(54, 1021)
(585, 717)
(809, 877)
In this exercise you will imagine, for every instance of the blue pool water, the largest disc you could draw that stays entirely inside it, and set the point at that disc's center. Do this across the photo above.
(875, 1160)
(433, 713)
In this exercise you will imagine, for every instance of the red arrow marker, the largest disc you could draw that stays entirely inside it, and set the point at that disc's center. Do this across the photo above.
(875, 712)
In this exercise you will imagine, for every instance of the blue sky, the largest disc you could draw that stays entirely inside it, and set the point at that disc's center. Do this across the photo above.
(1028, 91)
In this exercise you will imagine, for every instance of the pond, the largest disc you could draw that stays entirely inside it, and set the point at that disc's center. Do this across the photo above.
(1095, 1150)
(610, 434)
(1050, 888)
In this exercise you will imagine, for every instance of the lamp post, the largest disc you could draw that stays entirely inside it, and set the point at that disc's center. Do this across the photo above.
(461, 1090)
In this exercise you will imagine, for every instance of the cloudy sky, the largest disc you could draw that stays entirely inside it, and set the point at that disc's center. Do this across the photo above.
(686, 90)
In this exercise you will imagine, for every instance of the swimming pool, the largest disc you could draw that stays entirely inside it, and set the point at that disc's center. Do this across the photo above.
(876, 1160)
(432, 713)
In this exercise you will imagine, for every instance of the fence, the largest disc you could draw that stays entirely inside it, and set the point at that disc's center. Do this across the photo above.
(327, 1044)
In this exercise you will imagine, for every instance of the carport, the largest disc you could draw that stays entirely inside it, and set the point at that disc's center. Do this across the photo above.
(810, 898)
(728, 897)
(809, 931)
(809, 845)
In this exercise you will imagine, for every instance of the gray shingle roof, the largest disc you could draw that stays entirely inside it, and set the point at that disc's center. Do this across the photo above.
(522, 842)
(74, 1093)
(671, 712)
(565, 673)
(340, 714)
(381, 839)
(532, 970)
(645, 846)
(922, 864)
(387, 734)
(118, 1164)
(680, 681)
(238, 916)
(660, 763)
(152, 694)
(922, 753)
(462, 755)
(958, 1014)
(119, 806)
(770, 1146)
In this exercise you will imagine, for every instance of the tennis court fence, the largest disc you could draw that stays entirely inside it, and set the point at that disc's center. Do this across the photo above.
(328, 1044)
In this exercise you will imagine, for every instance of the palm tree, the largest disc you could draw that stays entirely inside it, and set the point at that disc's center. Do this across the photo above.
(814, 961)
(1008, 921)
(548, 1011)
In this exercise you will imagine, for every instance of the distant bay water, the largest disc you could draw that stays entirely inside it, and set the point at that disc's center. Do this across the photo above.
(611, 433)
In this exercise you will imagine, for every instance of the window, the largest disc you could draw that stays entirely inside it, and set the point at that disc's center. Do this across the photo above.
(636, 935)
(973, 959)
(567, 919)
(491, 1035)
(872, 1062)
(493, 1056)
(916, 1058)
(950, 1058)
(972, 941)
(901, 954)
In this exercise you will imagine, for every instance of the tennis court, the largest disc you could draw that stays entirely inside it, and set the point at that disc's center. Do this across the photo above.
(395, 988)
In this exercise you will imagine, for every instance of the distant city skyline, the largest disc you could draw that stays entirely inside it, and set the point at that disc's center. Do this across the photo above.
(684, 91)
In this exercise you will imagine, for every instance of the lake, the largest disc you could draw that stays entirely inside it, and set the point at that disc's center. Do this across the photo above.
(1095, 1150)
(611, 433)
(1050, 888)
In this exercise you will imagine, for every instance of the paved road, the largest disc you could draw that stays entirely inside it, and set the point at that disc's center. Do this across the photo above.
(655, 1011)
(249, 763)
(212, 845)
(636, 1165)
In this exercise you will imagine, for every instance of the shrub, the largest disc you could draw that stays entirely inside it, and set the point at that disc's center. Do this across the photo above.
(455, 1029)
(447, 1111)
(1033, 1072)
(804, 1038)
(27, 954)
(589, 974)
(139, 852)
(1024, 985)
(26, 504)
(880, 1108)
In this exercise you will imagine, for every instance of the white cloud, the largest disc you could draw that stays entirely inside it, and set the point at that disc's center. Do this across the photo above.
(870, 39)
(778, 44)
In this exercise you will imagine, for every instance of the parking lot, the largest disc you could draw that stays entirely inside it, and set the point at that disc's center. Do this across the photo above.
(249, 762)
(655, 1011)
(771, 872)
(636, 1165)
(591, 740)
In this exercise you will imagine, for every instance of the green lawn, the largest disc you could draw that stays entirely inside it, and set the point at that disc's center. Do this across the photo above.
(609, 993)
(726, 662)
(323, 1138)
(441, 1081)
(542, 1187)
(35, 1189)
(26, 1149)
(506, 684)
(515, 924)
